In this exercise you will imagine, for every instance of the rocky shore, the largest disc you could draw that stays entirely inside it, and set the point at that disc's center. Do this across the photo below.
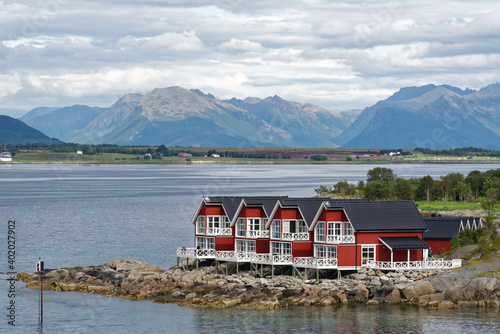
(473, 286)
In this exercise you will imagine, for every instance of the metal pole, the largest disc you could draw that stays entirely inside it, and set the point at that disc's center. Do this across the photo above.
(41, 297)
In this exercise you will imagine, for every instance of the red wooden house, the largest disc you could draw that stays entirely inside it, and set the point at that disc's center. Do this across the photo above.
(440, 230)
(312, 233)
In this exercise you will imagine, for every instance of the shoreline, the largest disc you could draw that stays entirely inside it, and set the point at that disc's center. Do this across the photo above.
(474, 286)
(429, 162)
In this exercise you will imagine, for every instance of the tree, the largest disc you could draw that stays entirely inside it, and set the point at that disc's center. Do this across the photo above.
(463, 190)
(378, 190)
(476, 180)
(425, 187)
(380, 173)
(323, 191)
(162, 149)
(404, 189)
(318, 158)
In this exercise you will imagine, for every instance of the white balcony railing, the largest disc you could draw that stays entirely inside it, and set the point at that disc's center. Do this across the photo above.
(257, 234)
(340, 239)
(312, 262)
(219, 231)
(233, 256)
(272, 259)
(194, 253)
(295, 236)
(427, 264)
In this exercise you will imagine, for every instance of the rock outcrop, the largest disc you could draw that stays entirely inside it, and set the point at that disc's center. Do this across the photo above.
(205, 288)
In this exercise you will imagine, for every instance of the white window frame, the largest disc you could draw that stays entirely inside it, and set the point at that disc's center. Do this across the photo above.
(200, 225)
(325, 252)
(319, 232)
(276, 229)
(347, 228)
(294, 226)
(205, 243)
(367, 249)
(252, 223)
(245, 246)
(213, 221)
(225, 223)
(281, 248)
(240, 227)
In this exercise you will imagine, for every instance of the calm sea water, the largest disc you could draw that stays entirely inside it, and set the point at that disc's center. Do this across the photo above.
(77, 215)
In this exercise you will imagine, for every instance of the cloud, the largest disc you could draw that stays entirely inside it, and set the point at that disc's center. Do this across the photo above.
(243, 45)
(340, 55)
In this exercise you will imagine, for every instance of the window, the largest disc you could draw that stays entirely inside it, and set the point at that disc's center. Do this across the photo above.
(294, 226)
(367, 253)
(245, 246)
(213, 221)
(276, 229)
(205, 243)
(326, 252)
(254, 224)
(348, 230)
(334, 228)
(200, 225)
(225, 222)
(319, 235)
(281, 248)
(240, 227)
(302, 227)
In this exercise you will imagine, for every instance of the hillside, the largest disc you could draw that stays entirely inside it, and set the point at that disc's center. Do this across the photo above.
(59, 122)
(176, 116)
(429, 116)
(14, 132)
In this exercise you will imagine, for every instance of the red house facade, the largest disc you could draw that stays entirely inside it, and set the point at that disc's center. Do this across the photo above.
(440, 230)
(316, 233)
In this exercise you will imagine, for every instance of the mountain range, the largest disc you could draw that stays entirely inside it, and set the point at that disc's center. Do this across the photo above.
(13, 131)
(427, 116)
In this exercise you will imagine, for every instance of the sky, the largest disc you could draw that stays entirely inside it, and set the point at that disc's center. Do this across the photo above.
(338, 55)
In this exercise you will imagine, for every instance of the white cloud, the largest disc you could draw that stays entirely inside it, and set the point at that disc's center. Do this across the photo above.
(340, 55)
(186, 41)
(243, 45)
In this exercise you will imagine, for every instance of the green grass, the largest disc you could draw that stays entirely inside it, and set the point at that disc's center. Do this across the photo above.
(274, 156)
(451, 205)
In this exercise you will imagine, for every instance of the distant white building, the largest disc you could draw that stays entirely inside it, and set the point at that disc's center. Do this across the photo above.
(5, 156)
(215, 155)
(79, 152)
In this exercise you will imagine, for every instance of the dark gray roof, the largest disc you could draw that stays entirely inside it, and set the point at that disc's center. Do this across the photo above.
(308, 207)
(396, 243)
(380, 215)
(443, 227)
(267, 203)
(231, 203)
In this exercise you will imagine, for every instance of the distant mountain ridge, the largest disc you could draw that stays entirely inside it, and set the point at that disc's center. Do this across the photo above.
(429, 116)
(177, 116)
(15, 132)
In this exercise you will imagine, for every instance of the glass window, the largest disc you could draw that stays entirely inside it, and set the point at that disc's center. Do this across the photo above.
(302, 228)
(213, 221)
(200, 225)
(319, 235)
(240, 227)
(348, 230)
(367, 253)
(281, 248)
(205, 243)
(275, 229)
(254, 224)
(225, 222)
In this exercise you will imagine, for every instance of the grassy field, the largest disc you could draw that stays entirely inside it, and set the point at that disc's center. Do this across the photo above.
(268, 155)
(451, 205)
